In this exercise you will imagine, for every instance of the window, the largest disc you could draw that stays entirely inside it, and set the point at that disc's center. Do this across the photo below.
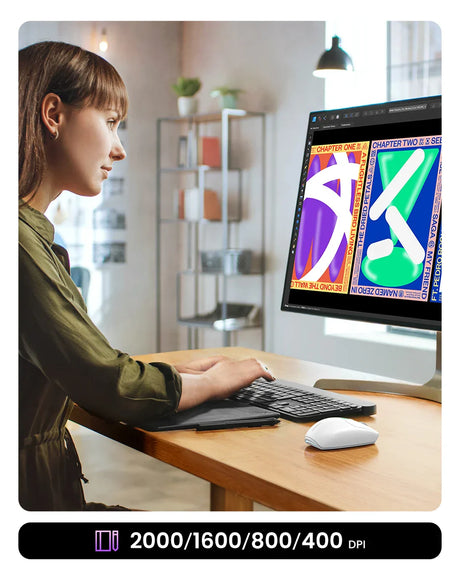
(414, 60)
(368, 82)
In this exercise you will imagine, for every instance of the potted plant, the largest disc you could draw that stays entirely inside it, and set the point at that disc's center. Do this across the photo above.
(186, 89)
(228, 96)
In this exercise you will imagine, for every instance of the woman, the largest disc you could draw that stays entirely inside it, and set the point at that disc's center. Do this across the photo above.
(70, 105)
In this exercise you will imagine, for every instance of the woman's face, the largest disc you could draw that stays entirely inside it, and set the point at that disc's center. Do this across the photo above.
(85, 150)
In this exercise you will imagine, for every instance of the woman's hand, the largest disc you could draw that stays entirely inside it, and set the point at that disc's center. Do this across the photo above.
(221, 379)
(199, 366)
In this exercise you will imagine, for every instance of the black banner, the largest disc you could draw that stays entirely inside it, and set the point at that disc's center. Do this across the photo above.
(112, 540)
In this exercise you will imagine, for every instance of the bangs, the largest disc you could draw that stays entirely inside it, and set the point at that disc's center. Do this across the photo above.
(108, 90)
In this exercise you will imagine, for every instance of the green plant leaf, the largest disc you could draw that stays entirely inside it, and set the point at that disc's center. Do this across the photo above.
(186, 87)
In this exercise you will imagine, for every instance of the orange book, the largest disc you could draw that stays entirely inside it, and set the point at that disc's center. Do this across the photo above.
(209, 151)
(189, 203)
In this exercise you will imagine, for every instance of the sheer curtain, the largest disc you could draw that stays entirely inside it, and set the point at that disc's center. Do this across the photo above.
(414, 60)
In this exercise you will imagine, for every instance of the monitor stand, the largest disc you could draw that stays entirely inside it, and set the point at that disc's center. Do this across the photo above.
(430, 390)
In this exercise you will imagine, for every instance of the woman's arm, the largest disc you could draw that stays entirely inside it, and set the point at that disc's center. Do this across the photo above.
(57, 337)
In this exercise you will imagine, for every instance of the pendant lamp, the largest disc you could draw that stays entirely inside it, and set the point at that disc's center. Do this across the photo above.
(332, 61)
(103, 43)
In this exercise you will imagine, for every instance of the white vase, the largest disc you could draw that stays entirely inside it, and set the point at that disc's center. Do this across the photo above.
(187, 106)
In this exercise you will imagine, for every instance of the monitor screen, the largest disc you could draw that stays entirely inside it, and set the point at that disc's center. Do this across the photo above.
(366, 240)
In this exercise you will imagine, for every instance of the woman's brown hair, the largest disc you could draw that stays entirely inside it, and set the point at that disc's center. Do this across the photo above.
(79, 77)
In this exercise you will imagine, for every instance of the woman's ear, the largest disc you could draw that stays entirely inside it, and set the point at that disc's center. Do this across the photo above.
(51, 113)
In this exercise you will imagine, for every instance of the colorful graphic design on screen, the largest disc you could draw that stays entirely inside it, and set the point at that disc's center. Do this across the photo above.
(397, 235)
(330, 216)
(436, 287)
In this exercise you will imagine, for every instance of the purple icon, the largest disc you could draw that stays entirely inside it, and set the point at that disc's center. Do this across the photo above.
(106, 540)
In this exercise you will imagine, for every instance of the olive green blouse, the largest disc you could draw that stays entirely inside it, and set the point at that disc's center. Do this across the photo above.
(64, 358)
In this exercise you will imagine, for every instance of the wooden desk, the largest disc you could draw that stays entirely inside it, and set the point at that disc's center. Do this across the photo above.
(274, 466)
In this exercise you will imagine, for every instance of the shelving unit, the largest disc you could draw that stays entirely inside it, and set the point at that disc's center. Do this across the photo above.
(238, 199)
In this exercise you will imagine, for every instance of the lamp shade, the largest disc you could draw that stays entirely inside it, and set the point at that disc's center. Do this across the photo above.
(333, 60)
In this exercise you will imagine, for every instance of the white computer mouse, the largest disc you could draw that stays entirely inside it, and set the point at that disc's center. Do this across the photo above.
(339, 432)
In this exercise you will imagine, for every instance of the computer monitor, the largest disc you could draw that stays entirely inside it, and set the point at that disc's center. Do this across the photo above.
(366, 240)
